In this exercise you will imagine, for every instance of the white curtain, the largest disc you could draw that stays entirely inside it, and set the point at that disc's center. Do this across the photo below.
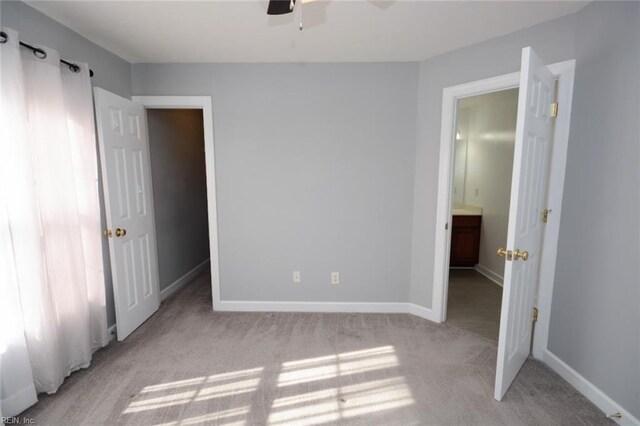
(54, 316)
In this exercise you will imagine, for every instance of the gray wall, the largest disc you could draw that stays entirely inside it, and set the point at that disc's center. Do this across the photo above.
(314, 169)
(176, 145)
(553, 40)
(111, 73)
(596, 300)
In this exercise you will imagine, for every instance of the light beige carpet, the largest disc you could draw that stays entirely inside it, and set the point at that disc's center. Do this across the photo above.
(189, 365)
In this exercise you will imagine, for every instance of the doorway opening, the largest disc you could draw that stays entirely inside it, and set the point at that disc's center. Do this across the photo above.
(539, 162)
(564, 73)
(202, 107)
(481, 190)
(182, 134)
(179, 181)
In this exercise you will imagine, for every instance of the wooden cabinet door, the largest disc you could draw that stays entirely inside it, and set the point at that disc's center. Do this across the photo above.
(465, 240)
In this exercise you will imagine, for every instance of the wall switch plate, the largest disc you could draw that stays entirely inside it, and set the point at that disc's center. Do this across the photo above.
(335, 278)
(296, 277)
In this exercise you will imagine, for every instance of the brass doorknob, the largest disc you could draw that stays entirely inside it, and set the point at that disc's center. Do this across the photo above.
(121, 232)
(502, 252)
(524, 255)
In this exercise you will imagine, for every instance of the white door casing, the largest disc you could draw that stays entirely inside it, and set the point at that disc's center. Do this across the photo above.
(126, 177)
(528, 198)
(205, 104)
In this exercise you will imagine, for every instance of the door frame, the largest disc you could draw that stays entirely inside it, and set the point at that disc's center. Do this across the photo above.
(565, 73)
(205, 104)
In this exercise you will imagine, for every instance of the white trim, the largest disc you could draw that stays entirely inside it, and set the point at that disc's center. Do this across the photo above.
(17, 402)
(489, 274)
(261, 306)
(357, 307)
(589, 390)
(565, 72)
(421, 311)
(113, 334)
(180, 282)
(204, 103)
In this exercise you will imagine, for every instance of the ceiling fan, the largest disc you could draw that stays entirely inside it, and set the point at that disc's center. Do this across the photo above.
(280, 7)
(283, 7)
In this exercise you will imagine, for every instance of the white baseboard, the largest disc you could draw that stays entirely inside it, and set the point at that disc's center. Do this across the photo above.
(251, 306)
(589, 390)
(422, 312)
(177, 284)
(361, 307)
(498, 279)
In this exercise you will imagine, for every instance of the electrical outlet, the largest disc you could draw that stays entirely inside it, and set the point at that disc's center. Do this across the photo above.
(296, 277)
(335, 278)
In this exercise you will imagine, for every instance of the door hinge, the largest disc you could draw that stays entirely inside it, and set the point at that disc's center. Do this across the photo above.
(554, 109)
(446, 225)
(545, 215)
(535, 314)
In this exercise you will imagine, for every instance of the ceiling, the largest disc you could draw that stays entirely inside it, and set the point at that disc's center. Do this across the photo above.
(335, 30)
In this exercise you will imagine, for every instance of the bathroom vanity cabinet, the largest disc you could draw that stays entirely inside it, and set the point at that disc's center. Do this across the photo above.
(465, 240)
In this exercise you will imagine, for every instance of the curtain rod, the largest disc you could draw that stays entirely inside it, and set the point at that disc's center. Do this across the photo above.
(41, 53)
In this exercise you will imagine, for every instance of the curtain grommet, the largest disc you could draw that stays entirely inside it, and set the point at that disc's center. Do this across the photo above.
(39, 53)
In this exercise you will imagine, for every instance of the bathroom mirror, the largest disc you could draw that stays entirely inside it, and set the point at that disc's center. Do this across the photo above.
(483, 157)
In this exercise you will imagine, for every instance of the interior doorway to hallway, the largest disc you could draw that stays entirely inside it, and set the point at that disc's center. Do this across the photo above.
(179, 179)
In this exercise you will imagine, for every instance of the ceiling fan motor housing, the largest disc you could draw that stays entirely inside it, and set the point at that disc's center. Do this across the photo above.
(280, 7)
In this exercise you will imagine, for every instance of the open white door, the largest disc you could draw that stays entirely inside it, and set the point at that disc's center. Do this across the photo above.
(528, 197)
(126, 176)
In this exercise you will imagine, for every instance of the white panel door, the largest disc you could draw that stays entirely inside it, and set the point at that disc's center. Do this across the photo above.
(126, 176)
(528, 196)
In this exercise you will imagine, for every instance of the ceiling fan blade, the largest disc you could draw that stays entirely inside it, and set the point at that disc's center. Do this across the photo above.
(280, 7)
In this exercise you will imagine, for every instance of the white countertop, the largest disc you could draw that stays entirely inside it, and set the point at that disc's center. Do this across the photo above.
(466, 210)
